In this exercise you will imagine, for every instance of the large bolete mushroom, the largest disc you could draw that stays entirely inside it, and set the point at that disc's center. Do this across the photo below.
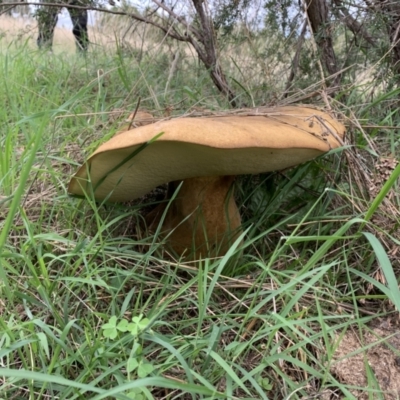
(205, 153)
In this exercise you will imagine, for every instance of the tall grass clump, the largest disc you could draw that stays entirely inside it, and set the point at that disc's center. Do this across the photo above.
(93, 307)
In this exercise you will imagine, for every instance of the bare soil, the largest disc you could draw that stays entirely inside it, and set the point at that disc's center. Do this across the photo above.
(370, 359)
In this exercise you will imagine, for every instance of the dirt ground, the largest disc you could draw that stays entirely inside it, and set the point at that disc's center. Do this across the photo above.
(370, 359)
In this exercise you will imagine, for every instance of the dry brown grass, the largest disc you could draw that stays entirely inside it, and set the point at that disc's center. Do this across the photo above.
(21, 30)
(24, 30)
(109, 31)
(241, 59)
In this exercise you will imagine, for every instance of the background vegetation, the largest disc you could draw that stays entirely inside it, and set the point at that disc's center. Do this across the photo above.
(91, 307)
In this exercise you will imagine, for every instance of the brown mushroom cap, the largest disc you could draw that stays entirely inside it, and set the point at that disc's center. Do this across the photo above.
(124, 168)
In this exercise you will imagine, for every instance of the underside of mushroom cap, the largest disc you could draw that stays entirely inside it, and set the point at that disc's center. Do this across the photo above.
(134, 162)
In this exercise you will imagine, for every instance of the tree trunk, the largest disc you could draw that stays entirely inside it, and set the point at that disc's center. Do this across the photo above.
(317, 11)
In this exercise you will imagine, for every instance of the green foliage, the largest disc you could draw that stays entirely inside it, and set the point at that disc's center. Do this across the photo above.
(227, 14)
(136, 363)
(135, 327)
(282, 17)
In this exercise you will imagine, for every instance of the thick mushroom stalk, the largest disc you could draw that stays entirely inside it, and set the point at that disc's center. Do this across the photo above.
(203, 220)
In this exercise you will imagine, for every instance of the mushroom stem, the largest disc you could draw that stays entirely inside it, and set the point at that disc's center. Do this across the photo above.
(203, 220)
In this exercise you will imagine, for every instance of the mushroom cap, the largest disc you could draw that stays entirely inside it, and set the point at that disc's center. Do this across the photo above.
(134, 162)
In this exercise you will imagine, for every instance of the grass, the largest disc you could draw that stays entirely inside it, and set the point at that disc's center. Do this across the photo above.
(91, 307)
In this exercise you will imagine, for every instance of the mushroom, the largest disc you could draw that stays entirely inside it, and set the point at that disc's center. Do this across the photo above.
(205, 153)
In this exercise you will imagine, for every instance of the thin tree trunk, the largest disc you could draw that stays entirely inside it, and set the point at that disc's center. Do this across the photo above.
(201, 38)
(317, 11)
(209, 56)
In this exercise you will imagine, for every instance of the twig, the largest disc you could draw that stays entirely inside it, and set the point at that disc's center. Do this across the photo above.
(134, 115)
(352, 23)
(172, 71)
(8, 9)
